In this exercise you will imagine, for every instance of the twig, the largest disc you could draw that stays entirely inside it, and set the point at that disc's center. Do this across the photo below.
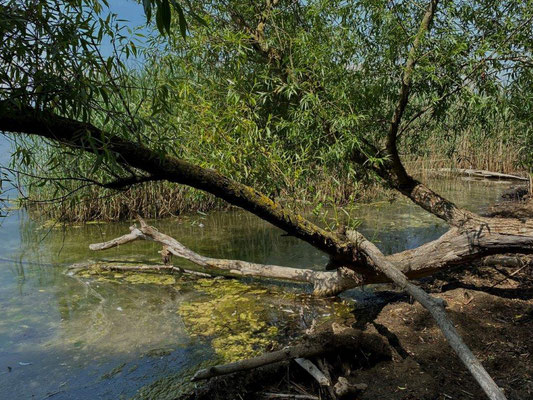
(290, 396)
(313, 370)
(510, 275)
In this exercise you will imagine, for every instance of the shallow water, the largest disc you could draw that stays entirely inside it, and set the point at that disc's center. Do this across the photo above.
(77, 337)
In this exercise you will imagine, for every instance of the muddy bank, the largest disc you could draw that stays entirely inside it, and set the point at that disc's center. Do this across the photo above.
(516, 201)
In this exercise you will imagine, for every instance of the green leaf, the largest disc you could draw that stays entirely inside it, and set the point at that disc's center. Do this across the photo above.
(159, 20)
(147, 4)
(181, 19)
(165, 15)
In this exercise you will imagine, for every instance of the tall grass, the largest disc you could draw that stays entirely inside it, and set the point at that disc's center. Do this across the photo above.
(497, 154)
(164, 199)
(150, 200)
(320, 185)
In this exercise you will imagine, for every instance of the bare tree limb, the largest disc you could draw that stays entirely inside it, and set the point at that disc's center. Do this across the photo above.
(310, 348)
(313, 370)
(328, 283)
(435, 307)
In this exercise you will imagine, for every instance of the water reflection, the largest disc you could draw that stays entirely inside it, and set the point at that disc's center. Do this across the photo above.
(105, 336)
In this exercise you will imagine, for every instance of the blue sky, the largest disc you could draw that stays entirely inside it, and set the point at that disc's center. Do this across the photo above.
(129, 10)
(125, 9)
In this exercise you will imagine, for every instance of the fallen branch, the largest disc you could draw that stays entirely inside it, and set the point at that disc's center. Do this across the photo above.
(313, 370)
(324, 282)
(502, 260)
(435, 306)
(322, 364)
(141, 268)
(311, 348)
(478, 173)
(509, 276)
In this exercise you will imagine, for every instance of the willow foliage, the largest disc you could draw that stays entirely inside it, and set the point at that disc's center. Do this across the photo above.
(277, 94)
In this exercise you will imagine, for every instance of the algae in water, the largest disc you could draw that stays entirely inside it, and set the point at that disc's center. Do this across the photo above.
(235, 316)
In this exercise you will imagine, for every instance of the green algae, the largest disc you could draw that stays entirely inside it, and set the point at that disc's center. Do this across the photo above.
(235, 316)
(115, 371)
(152, 279)
(102, 274)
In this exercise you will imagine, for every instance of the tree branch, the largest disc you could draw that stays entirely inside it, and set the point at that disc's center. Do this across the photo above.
(80, 135)
(435, 307)
(394, 171)
(325, 283)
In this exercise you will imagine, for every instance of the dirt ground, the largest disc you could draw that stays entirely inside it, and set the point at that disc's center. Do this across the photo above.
(496, 322)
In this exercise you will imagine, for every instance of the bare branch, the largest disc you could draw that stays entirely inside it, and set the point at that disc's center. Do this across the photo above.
(310, 348)
(435, 306)
(74, 134)
(325, 283)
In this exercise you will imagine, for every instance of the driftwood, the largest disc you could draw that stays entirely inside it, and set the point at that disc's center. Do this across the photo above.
(313, 370)
(435, 307)
(325, 282)
(311, 348)
(479, 173)
(141, 268)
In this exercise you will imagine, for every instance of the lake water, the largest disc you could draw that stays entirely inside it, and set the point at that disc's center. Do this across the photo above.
(65, 336)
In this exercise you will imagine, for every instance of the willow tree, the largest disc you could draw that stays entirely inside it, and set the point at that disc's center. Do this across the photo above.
(343, 83)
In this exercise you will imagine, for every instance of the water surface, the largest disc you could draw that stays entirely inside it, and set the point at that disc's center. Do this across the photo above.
(85, 337)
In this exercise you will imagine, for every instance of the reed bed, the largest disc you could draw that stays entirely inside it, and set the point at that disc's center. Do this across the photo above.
(317, 186)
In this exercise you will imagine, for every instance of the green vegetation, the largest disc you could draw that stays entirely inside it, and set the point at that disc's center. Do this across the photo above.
(279, 96)
(234, 316)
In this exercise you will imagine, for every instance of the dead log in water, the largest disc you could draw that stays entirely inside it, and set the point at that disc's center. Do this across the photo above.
(479, 173)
